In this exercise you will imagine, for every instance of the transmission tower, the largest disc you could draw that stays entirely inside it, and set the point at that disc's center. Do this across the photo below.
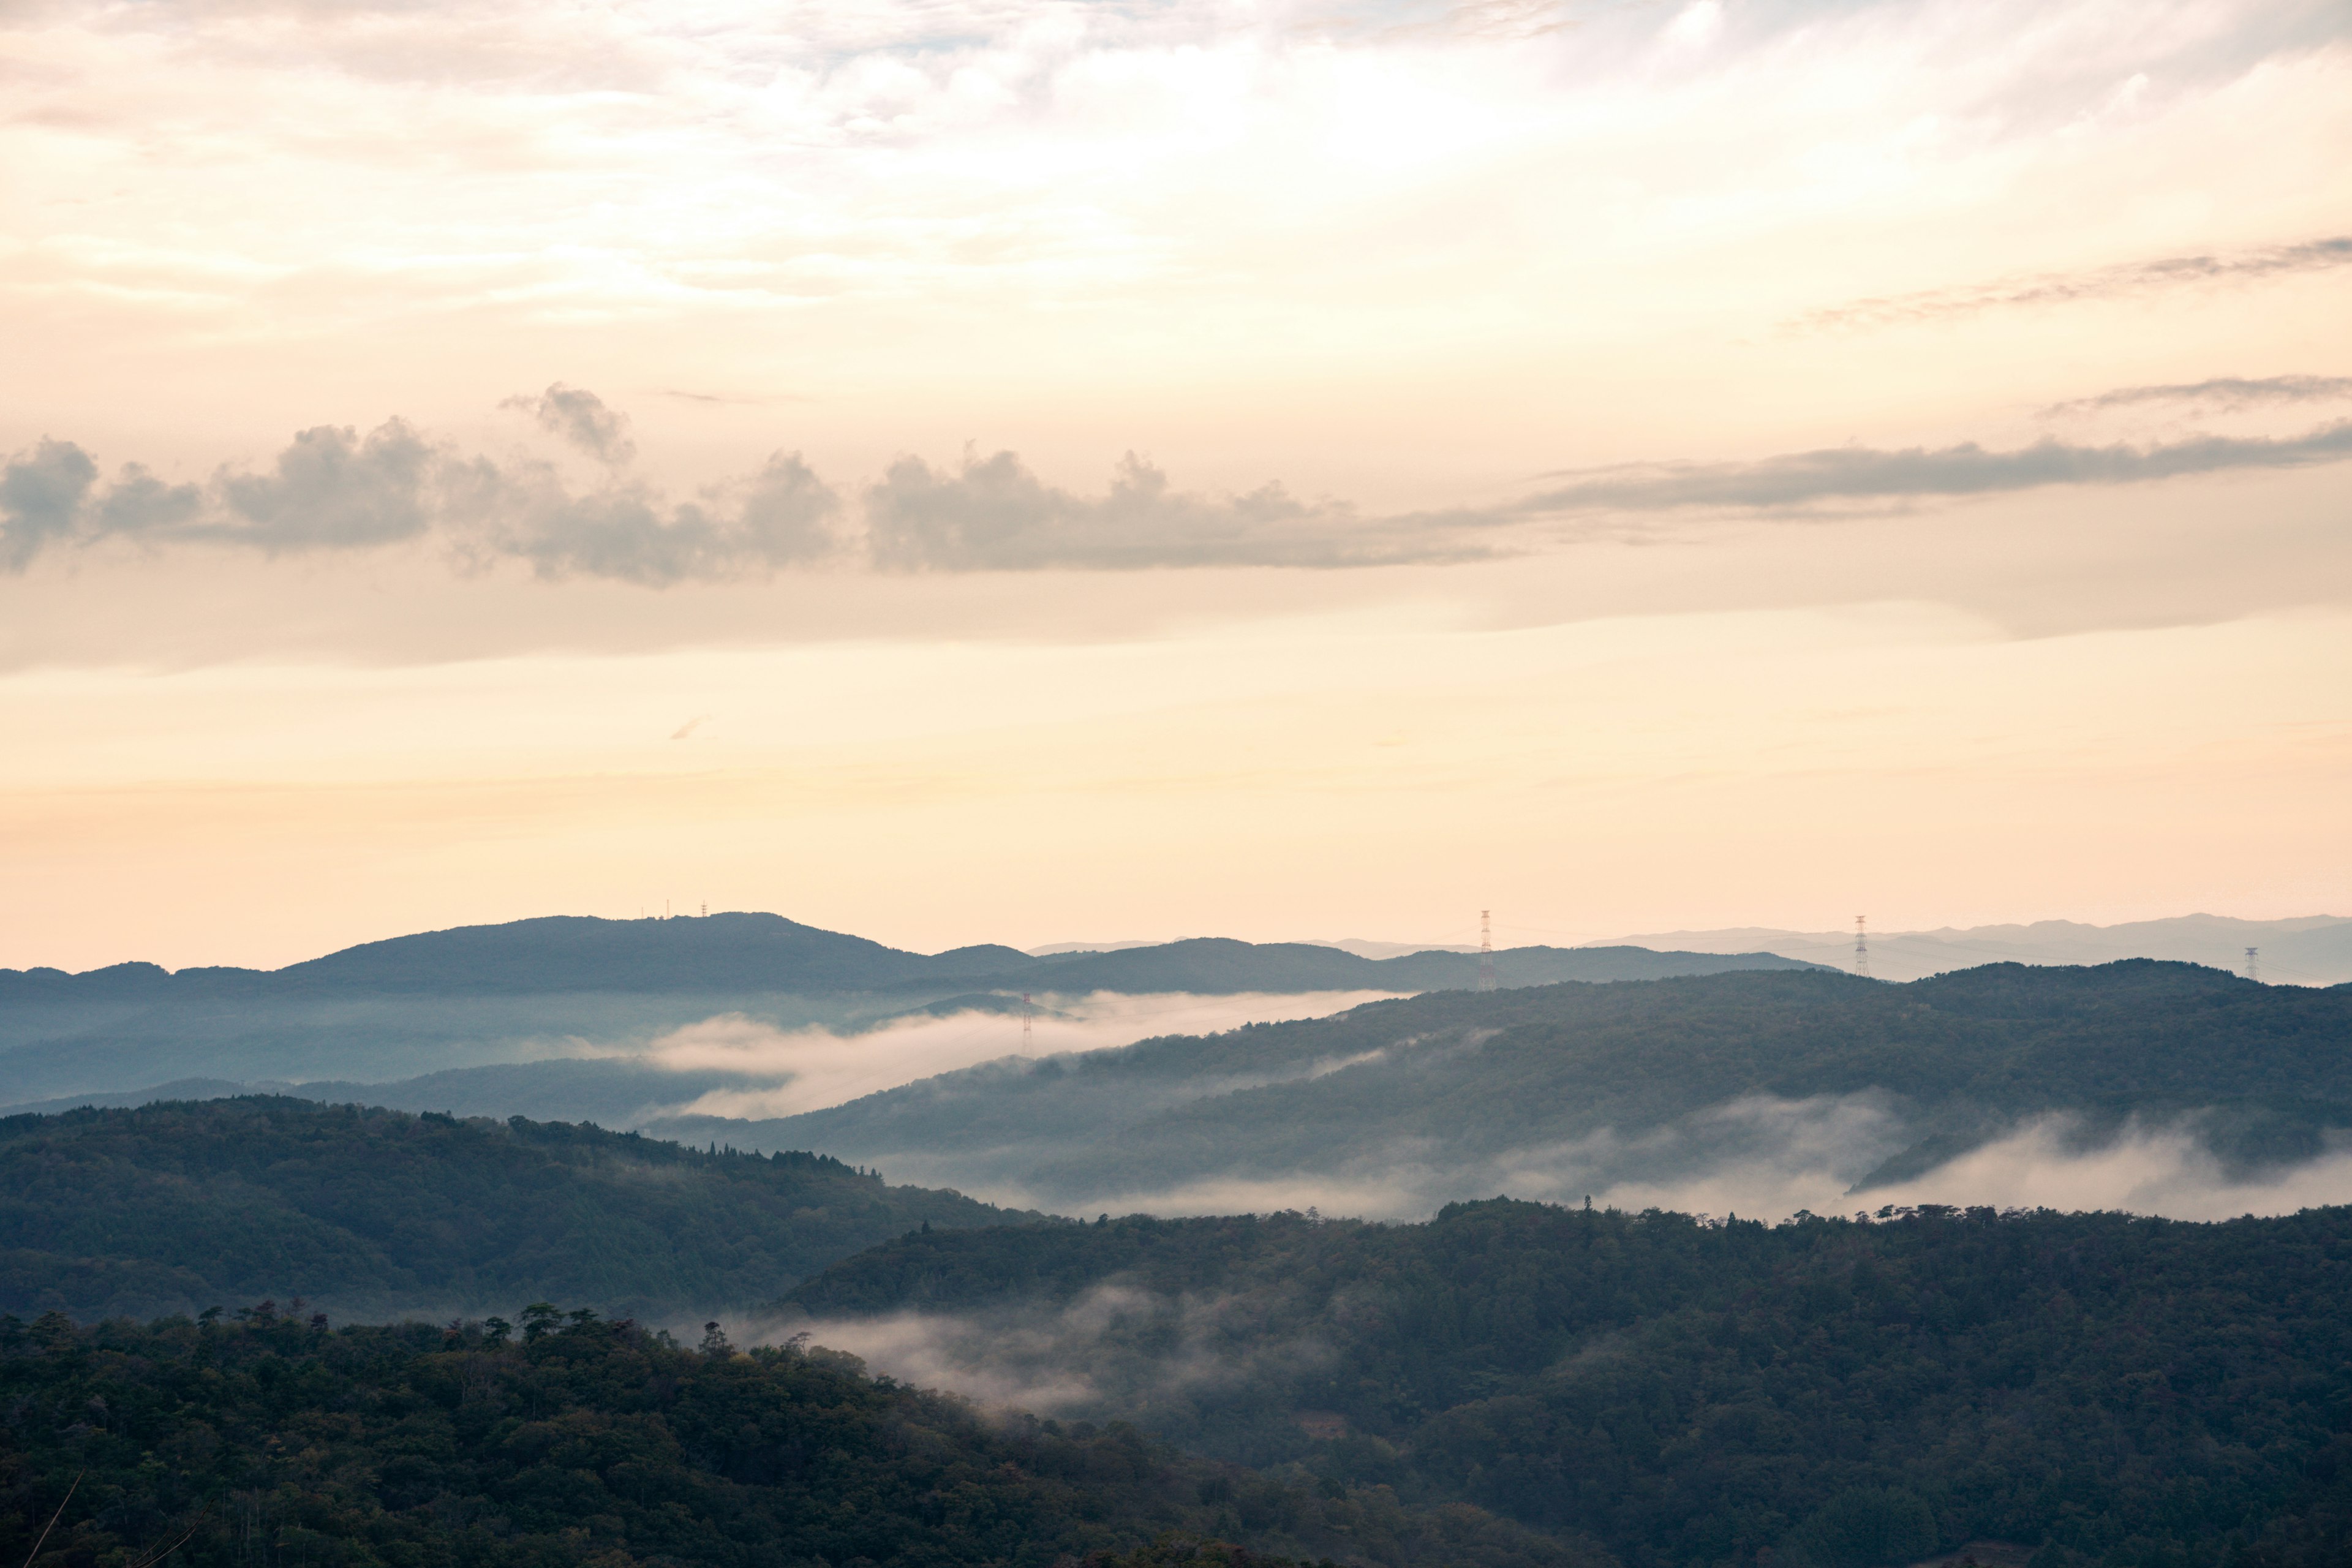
(1027, 1032)
(1862, 946)
(2255, 964)
(1486, 949)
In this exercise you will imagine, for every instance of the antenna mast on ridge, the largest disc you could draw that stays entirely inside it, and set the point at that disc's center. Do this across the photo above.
(1860, 947)
(2255, 964)
(1486, 949)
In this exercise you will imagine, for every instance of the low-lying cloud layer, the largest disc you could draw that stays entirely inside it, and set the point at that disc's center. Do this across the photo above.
(334, 488)
(1763, 1158)
(819, 1068)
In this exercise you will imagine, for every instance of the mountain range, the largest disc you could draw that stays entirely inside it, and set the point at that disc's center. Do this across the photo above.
(566, 988)
(2315, 949)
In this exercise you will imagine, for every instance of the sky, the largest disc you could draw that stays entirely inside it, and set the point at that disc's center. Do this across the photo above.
(1013, 471)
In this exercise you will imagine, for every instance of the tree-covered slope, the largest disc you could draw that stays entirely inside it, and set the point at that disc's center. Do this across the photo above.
(180, 1206)
(2094, 1387)
(275, 1443)
(1586, 1085)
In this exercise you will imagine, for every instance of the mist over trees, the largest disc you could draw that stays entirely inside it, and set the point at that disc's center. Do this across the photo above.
(2109, 1390)
(570, 1441)
(1396, 1107)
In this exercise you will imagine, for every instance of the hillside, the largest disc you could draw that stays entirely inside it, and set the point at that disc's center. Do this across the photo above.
(1561, 1090)
(176, 1207)
(2089, 1388)
(593, 1444)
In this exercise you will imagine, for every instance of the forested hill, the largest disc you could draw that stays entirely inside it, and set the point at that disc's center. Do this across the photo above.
(2091, 1388)
(1582, 1087)
(177, 1207)
(279, 1443)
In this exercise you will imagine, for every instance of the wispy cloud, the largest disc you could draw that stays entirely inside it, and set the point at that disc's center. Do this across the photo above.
(2220, 392)
(2121, 281)
(1799, 480)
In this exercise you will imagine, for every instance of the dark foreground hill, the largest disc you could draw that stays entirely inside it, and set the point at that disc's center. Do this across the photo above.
(275, 1443)
(565, 986)
(1556, 1091)
(2088, 1388)
(177, 1207)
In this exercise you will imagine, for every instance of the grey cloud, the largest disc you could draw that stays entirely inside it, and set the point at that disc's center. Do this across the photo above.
(138, 502)
(996, 514)
(1862, 473)
(2096, 283)
(2225, 391)
(781, 516)
(581, 418)
(333, 488)
(41, 496)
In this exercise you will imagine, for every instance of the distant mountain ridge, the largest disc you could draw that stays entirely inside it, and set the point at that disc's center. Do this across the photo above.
(2310, 950)
(756, 952)
(567, 987)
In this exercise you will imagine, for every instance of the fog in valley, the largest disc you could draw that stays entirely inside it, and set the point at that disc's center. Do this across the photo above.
(787, 1072)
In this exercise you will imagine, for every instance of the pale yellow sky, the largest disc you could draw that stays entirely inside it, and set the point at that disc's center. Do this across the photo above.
(1628, 465)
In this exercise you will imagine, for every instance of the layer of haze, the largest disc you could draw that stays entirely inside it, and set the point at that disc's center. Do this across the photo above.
(989, 469)
(821, 1067)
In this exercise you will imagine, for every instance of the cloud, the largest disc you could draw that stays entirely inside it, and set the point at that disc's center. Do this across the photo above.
(2223, 392)
(580, 418)
(333, 488)
(1869, 473)
(996, 514)
(780, 516)
(2121, 281)
(41, 495)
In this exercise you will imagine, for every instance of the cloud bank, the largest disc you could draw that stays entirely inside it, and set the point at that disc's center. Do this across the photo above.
(993, 513)
(332, 489)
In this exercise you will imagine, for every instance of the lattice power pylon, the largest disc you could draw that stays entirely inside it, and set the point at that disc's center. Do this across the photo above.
(1486, 949)
(1862, 946)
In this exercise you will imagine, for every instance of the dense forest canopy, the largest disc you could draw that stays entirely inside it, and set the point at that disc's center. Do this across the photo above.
(2096, 1387)
(177, 1207)
(280, 1442)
